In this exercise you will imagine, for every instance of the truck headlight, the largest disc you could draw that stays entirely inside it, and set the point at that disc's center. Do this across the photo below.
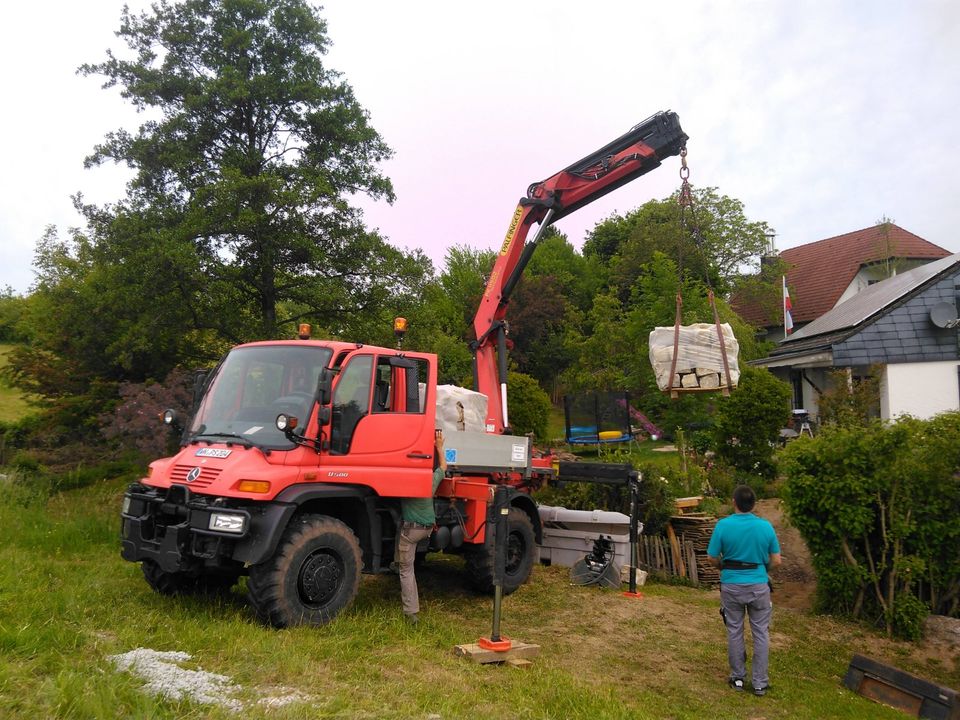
(227, 522)
(125, 508)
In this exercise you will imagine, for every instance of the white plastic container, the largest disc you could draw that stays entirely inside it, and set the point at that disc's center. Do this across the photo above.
(569, 535)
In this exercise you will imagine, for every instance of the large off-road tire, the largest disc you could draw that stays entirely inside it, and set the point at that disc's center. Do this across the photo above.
(180, 583)
(313, 575)
(521, 550)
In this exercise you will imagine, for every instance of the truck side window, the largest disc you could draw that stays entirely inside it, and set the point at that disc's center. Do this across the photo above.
(351, 402)
(384, 395)
(399, 389)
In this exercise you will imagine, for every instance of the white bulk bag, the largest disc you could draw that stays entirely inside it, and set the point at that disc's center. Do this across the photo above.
(699, 359)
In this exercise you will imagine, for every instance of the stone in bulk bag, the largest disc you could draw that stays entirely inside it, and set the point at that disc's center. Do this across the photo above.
(698, 353)
(460, 410)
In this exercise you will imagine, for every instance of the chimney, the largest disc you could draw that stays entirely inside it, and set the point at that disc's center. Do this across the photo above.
(770, 254)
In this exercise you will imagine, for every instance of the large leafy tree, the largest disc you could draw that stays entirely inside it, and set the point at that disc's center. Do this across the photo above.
(238, 220)
(611, 345)
(245, 169)
(558, 283)
(713, 242)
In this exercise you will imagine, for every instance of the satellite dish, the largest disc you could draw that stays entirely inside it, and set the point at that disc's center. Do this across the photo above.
(944, 315)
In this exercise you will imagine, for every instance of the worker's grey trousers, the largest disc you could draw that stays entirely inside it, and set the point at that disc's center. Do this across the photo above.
(753, 600)
(410, 535)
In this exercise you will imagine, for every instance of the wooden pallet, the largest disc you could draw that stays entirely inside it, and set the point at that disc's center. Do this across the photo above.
(519, 655)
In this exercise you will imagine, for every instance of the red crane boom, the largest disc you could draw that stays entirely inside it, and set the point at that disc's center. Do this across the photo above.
(628, 157)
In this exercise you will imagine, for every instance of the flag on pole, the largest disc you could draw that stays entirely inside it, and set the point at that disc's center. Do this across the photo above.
(787, 307)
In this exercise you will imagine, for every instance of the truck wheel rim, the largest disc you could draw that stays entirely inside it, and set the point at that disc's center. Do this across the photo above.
(516, 549)
(320, 577)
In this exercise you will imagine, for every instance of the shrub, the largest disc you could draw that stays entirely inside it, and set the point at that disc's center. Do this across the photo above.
(850, 401)
(136, 420)
(879, 507)
(16, 435)
(748, 425)
(529, 405)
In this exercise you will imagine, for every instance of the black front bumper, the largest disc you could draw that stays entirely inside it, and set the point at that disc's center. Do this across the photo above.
(171, 527)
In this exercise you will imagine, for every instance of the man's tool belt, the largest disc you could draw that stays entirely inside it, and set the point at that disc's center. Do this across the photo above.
(738, 565)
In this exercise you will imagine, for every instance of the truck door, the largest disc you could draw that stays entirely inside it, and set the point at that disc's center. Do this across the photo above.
(383, 423)
(351, 402)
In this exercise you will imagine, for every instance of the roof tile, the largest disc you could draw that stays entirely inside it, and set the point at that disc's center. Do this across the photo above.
(820, 271)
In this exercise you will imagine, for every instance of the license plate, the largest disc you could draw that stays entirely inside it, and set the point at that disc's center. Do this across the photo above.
(213, 452)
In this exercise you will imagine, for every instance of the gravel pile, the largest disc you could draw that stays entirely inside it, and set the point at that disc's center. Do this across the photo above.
(166, 678)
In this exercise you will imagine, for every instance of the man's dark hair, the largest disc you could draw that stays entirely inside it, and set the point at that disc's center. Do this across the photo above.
(744, 498)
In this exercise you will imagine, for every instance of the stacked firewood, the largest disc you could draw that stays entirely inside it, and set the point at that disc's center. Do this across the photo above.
(696, 528)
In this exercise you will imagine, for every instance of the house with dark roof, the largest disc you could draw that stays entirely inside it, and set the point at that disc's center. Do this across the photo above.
(823, 274)
(907, 325)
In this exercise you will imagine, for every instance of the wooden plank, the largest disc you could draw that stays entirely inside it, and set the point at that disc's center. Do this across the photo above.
(519, 651)
(692, 562)
(688, 502)
(675, 551)
(519, 663)
(886, 694)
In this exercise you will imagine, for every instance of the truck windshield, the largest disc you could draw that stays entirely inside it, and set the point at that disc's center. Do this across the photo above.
(255, 384)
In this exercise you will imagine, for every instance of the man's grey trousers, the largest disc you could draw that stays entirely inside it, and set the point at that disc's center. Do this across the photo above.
(752, 600)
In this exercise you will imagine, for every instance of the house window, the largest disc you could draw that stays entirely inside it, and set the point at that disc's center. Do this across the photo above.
(796, 382)
(868, 377)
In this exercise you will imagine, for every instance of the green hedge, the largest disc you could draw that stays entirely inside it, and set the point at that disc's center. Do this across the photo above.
(879, 508)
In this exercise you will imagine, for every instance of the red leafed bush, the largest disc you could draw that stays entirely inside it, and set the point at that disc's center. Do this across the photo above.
(137, 422)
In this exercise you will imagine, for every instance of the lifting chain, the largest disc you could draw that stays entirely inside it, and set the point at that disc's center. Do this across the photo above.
(685, 200)
(685, 197)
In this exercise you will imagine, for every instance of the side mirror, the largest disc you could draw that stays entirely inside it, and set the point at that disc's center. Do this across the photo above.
(323, 415)
(324, 386)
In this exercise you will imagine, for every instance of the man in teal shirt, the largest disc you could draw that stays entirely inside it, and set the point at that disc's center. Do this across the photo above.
(419, 518)
(744, 546)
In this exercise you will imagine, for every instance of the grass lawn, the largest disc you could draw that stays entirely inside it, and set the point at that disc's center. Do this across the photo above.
(13, 405)
(68, 603)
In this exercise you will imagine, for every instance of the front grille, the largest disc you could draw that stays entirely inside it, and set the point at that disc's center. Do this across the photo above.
(204, 479)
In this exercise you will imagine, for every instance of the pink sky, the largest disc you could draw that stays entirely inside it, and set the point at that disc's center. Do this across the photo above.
(820, 117)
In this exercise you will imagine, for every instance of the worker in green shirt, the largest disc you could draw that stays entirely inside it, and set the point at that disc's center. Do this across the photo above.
(418, 520)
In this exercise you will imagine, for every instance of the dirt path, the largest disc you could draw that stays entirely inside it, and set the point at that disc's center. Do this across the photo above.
(794, 581)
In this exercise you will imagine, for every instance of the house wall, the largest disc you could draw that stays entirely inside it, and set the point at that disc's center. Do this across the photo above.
(904, 334)
(919, 389)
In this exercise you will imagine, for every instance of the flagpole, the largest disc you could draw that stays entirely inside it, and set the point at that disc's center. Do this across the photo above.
(783, 299)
